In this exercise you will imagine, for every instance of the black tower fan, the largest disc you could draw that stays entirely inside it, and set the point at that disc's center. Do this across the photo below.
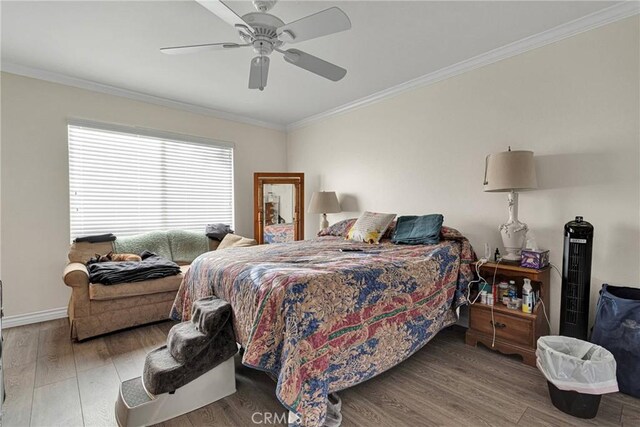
(576, 279)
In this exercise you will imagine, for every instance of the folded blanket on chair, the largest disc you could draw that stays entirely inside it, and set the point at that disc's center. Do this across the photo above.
(97, 238)
(151, 267)
(218, 231)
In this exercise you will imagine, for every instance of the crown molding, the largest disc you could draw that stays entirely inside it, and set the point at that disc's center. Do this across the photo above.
(577, 26)
(64, 79)
(569, 29)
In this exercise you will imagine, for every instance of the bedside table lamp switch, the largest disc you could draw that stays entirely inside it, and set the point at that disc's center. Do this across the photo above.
(511, 171)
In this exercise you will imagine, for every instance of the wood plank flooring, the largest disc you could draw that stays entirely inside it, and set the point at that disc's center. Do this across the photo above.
(51, 381)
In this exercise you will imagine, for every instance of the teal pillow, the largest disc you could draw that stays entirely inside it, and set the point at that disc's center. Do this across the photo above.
(418, 230)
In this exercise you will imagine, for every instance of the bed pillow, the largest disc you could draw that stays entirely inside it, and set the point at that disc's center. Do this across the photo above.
(370, 227)
(390, 230)
(233, 240)
(418, 230)
(339, 228)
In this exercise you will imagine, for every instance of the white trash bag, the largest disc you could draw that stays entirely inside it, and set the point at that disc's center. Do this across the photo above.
(573, 364)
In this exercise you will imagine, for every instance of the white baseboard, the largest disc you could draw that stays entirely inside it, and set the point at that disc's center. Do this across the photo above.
(38, 316)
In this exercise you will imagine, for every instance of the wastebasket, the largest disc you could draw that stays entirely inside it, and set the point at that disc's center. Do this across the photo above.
(617, 328)
(577, 372)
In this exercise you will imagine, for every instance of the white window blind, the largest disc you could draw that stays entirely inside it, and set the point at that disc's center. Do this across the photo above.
(126, 181)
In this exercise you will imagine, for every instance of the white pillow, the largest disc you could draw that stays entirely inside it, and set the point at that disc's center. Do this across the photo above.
(370, 227)
(233, 240)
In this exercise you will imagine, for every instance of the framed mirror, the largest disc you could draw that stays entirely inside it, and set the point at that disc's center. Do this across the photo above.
(278, 207)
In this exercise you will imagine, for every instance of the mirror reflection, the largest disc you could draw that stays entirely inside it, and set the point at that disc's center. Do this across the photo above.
(278, 206)
(279, 213)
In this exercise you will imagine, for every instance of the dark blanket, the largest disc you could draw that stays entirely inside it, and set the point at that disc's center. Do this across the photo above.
(218, 231)
(98, 238)
(151, 267)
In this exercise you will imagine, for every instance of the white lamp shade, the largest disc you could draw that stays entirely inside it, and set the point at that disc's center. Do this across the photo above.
(510, 170)
(324, 202)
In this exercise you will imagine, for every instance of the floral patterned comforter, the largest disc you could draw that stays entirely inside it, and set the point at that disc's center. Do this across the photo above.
(321, 320)
(278, 233)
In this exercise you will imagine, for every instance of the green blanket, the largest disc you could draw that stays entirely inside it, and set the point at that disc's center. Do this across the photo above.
(187, 245)
(180, 246)
(154, 241)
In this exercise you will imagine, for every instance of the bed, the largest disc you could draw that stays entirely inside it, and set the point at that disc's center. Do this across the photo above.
(278, 233)
(320, 320)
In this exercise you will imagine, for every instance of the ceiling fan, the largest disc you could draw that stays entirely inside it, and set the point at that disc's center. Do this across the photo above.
(267, 33)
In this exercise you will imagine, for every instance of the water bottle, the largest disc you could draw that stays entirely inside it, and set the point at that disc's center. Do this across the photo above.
(527, 297)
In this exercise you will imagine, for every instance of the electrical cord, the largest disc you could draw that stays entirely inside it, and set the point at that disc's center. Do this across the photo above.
(480, 279)
(545, 312)
(557, 269)
(543, 306)
(493, 320)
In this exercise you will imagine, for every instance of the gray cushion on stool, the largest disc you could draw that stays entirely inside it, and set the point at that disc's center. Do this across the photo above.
(187, 340)
(163, 373)
(209, 314)
(185, 343)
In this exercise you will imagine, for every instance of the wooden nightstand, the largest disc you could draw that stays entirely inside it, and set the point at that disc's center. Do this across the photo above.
(516, 332)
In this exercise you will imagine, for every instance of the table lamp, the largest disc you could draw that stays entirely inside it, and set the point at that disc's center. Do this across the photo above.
(324, 202)
(511, 171)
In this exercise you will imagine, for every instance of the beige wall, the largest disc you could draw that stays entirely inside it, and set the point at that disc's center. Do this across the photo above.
(34, 180)
(574, 103)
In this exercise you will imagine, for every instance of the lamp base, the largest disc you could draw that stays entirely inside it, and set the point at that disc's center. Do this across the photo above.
(513, 232)
(324, 223)
(511, 256)
(513, 238)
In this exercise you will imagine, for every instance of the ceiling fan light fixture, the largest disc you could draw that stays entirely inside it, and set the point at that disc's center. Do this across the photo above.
(259, 72)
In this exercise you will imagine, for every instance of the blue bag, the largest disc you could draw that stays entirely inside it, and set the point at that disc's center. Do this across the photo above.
(617, 328)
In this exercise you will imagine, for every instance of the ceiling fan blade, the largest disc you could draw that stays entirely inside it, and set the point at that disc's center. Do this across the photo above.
(225, 13)
(178, 50)
(329, 21)
(259, 72)
(314, 64)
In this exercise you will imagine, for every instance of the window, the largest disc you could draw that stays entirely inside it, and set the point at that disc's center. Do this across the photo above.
(127, 181)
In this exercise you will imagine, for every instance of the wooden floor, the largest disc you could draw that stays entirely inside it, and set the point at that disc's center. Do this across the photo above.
(51, 381)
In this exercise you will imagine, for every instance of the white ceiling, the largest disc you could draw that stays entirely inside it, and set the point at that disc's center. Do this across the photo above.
(116, 43)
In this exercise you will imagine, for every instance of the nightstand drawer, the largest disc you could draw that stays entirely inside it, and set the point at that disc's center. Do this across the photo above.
(511, 328)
